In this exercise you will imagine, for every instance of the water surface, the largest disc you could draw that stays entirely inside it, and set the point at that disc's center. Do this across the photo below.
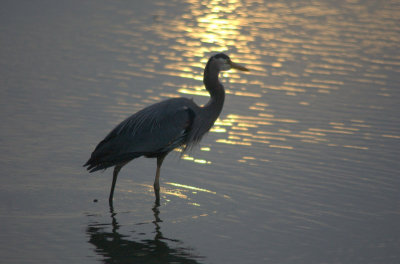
(301, 167)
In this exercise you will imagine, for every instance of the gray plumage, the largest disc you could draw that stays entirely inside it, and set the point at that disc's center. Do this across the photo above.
(156, 129)
(159, 128)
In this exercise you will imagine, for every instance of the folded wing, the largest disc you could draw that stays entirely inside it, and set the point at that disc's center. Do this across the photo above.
(153, 131)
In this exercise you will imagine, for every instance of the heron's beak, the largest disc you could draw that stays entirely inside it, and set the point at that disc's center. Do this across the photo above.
(238, 67)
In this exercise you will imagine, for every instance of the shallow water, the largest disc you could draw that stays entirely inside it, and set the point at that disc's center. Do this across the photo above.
(301, 167)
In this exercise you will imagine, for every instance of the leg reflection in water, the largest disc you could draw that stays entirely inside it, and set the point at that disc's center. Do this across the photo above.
(113, 246)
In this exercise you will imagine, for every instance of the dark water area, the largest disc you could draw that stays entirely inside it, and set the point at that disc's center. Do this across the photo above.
(302, 165)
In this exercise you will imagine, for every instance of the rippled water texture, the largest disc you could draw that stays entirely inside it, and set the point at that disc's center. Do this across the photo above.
(301, 167)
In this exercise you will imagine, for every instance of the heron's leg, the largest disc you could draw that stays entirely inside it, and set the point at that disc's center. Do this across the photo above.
(160, 160)
(117, 168)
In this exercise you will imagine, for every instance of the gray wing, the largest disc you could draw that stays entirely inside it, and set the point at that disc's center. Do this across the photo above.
(154, 130)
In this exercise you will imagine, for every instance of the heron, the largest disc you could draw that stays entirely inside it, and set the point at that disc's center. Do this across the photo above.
(156, 130)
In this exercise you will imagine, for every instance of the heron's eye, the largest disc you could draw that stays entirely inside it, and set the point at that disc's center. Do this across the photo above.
(224, 64)
(222, 61)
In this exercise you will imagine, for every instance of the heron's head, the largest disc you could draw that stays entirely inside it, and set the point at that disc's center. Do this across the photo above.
(224, 63)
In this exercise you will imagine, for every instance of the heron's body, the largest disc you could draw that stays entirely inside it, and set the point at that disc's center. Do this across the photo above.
(159, 128)
(144, 134)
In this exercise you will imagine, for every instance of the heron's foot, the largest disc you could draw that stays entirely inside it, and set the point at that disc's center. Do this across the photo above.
(157, 202)
(157, 193)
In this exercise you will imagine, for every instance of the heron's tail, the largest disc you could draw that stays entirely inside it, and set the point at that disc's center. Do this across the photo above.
(93, 166)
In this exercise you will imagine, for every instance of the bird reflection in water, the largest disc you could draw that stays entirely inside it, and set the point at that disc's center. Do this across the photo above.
(116, 247)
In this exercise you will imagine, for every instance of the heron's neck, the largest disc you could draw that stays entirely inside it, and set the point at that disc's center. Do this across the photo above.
(217, 93)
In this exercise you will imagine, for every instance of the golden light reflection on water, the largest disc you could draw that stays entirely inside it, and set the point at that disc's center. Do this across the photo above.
(209, 27)
(200, 161)
(260, 131)
(182, 191)
(302, 51)
(220, 26)
(187, 187)
(177, 192)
